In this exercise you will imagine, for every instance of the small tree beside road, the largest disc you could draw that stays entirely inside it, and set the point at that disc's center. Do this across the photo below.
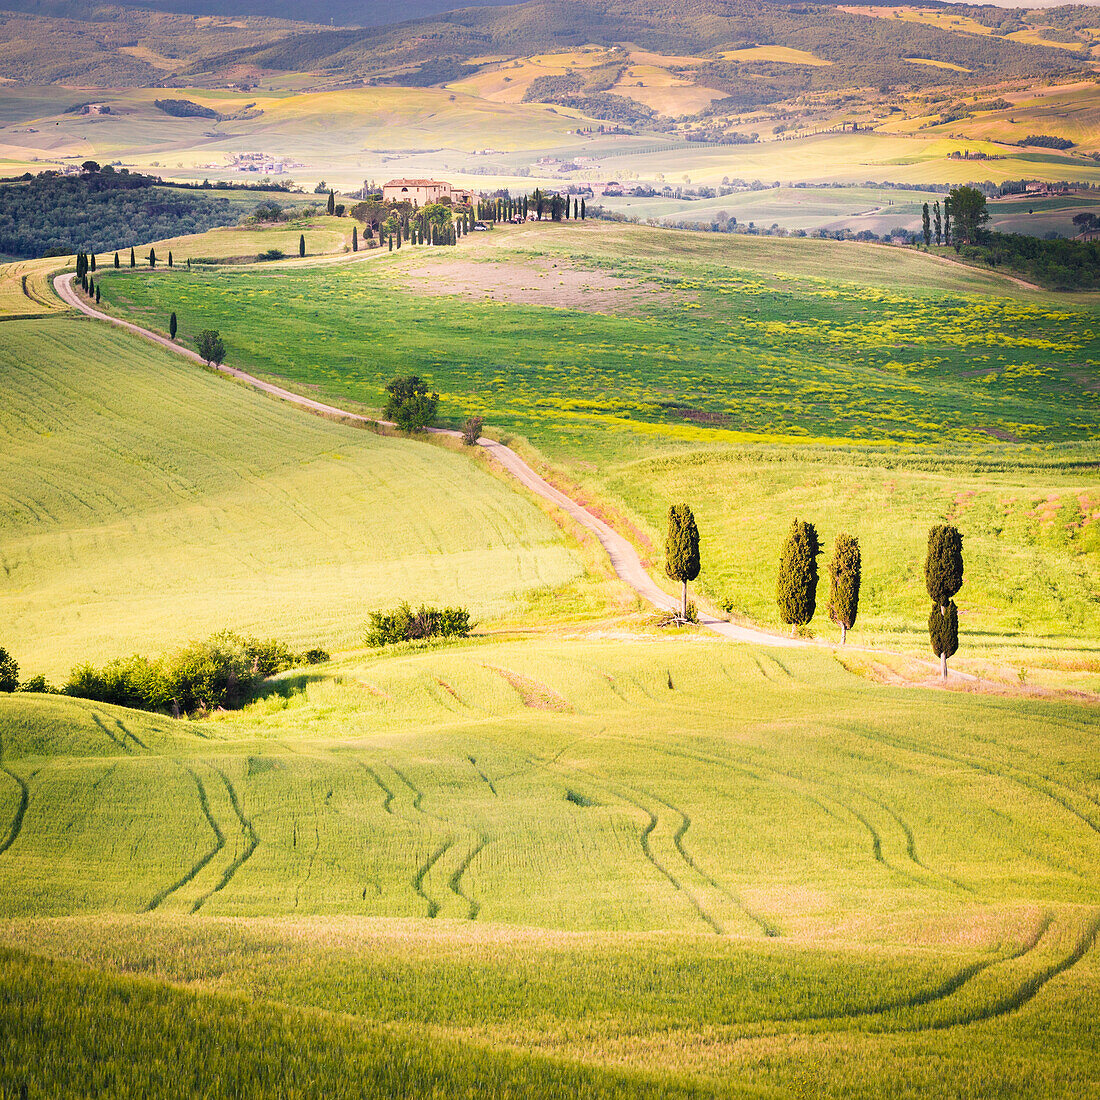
(682, 551)
(411, 405)
(211, 347)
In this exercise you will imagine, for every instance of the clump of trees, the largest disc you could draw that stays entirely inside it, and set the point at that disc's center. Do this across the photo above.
(223, 671)
(682, 561)
(403, 624)
(9, 672)
(410, 405)
(943, 577)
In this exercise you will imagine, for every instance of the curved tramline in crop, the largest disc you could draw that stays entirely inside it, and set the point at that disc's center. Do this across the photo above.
(454, 880)
(202, 861)
(766, 926)
(251, 844)
(20, 811)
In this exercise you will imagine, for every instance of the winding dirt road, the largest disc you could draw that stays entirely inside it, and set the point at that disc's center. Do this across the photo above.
(624, 558)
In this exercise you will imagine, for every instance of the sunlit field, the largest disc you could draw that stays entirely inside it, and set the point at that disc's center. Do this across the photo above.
(730, 868)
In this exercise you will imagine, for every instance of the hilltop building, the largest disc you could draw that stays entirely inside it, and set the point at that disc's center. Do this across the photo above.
(422, 192)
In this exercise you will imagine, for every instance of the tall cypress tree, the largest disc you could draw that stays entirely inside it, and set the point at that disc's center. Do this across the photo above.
(354, 238)
(947, 221)
(937, 223)
(152, 257)
(943, 577)
(91, 261)
(302, 244)
(844, 577)
(172, 326)
(796, 586)
(582, 210)
(97, 294)
(682, 551)
(926, 225)
(116, 260)
(169, 257)
(331, 201)
(133, 258)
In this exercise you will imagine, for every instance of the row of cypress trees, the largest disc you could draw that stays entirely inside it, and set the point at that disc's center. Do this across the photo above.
(796, 584)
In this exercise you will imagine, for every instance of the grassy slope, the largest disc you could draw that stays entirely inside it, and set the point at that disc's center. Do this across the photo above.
(746, 342)
(145, 502)
(912, 871)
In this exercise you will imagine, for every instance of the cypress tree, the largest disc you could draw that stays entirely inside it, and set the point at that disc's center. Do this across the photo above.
(937, 223)
(926, 226)
(943, 633)
(331, 201)
(172, 326)
(399, 237)
(169, 257)
(116, 260)
(682, 551)
(947, 221)
(188, 263)
(133, 259)
(84, 283)
(390, 239)
(844, 577)
(943, 567)
(943, 577)
(91, 260)
(80, 265)
(302, 244)
(354, 238)
(97, 294)
(582, 210)
(796, 587)
(152, 257)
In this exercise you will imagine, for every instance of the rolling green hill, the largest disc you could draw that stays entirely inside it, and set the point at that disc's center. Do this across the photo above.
(721, 867)
(876, 390)
(145, 503)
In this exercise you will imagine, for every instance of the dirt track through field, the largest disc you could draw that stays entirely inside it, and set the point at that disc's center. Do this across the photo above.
(624, 558)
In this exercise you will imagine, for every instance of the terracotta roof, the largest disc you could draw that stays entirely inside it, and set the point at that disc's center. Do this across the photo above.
(416, 183)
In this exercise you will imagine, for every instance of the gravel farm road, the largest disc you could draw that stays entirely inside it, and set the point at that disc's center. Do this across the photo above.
(624, 558)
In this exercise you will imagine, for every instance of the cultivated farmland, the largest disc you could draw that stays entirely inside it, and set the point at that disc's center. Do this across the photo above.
(673, 859)
(625, 357)
(146, 502)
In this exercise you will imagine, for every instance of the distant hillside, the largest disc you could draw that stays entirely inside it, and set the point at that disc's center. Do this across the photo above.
(358, 13)
(856, 49)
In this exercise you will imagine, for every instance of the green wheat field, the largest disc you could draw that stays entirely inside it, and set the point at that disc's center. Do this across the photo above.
(575, 855)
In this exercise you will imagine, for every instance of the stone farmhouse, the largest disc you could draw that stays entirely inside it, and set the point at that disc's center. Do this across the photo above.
(422, 192)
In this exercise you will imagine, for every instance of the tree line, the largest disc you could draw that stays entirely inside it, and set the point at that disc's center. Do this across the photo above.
(797, 578)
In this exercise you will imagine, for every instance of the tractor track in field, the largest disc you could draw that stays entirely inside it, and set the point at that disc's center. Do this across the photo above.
(454, 881)
(387, 801)
(111, 735)
(1039, 785)
(762, 923)
(252, 844)
(21, 810)
(198, 865)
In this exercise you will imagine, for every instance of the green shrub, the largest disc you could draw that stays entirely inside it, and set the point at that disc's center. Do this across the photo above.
(410, 405)
(403, 624)
(9, 672)
(272, 254)
(222, 671)
(38, 685)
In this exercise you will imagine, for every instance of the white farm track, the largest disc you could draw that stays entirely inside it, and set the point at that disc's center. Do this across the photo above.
(624, 558)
